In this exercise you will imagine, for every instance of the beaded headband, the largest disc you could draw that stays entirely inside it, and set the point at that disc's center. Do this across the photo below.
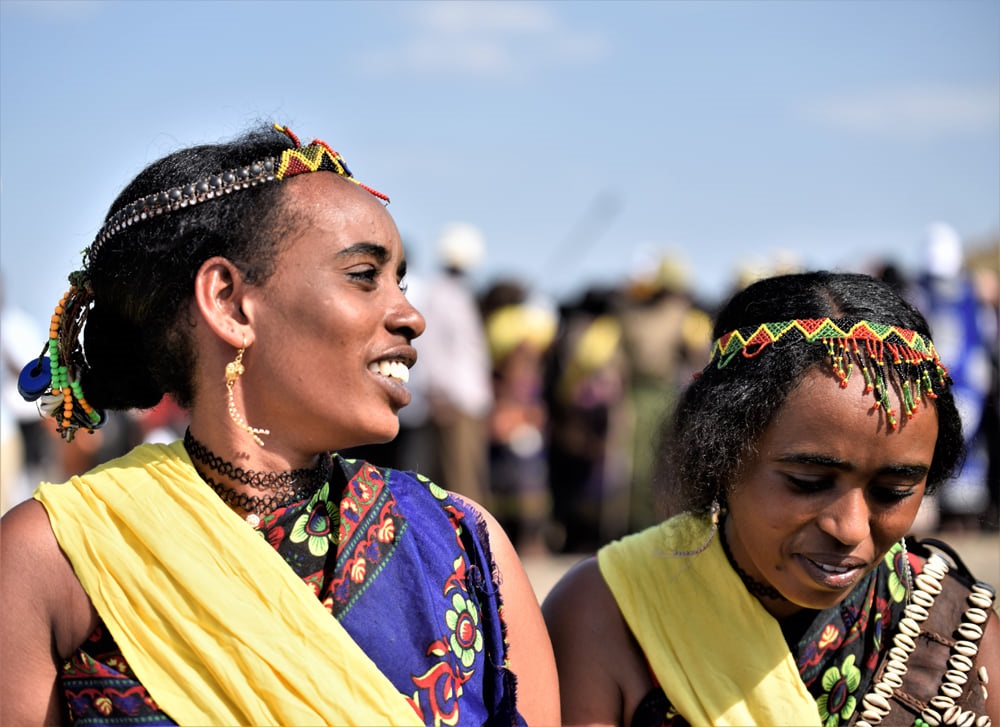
(874, 347)
(54, 380)
(316, 157)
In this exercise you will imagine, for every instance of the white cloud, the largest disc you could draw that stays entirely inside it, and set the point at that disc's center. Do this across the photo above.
(486, 40)
(920, 112)
(472, 17)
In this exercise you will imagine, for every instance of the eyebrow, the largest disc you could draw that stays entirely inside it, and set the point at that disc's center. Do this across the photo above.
(822, 460)
(368, 249)
(372, 249)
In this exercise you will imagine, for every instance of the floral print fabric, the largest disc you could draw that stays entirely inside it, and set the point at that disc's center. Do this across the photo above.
(401, 564)
(838, 651)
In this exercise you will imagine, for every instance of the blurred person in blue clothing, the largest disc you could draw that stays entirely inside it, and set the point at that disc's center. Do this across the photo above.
(964, 332)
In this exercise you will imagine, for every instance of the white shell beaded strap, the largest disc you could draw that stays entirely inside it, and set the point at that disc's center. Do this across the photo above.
(943, 707)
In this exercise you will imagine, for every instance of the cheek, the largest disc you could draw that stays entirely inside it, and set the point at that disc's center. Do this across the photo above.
(890, 526)
(761, 501)
(763, 518)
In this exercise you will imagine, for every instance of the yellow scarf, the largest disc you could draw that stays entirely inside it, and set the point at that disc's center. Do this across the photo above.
(717, 653)
(211, 619)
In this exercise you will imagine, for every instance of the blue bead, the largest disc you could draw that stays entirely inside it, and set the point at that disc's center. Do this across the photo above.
(35, 379)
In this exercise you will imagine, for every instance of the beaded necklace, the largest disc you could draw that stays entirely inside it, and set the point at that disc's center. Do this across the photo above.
(284, 487)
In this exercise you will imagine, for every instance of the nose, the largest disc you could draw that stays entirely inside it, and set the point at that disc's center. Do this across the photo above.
(848, 518)
(405, 319)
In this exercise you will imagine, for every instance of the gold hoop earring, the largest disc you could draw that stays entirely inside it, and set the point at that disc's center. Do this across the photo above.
(235, 369)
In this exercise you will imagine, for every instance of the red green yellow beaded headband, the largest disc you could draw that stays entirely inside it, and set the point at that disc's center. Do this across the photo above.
(316, 157)
(874, 347)
(53, 380)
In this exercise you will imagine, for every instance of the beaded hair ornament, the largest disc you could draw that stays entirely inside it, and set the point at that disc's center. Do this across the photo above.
(873, 347)
(53, 379)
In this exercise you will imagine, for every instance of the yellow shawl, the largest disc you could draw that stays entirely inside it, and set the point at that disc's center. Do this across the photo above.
(212, 620)
(717, 653)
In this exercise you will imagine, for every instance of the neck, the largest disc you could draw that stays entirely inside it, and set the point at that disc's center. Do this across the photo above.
(763, 591)
(255, 493)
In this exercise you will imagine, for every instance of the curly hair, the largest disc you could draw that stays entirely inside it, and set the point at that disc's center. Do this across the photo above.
(722, 415)
(137, 338)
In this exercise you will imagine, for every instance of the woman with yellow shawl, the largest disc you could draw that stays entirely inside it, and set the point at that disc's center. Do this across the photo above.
(785, 591)
(247, 574)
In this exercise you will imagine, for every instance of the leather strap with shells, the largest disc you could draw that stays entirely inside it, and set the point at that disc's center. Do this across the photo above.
(910, 687)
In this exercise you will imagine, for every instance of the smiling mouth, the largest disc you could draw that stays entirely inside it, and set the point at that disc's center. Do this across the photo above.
(830, 575)
(393, 369)
(832, 568)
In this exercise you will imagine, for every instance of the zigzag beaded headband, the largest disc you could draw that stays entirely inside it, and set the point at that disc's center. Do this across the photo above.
(850, 341)
(54, 381)
(317, 156)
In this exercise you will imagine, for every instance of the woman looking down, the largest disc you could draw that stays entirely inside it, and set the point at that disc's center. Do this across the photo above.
(784, 592)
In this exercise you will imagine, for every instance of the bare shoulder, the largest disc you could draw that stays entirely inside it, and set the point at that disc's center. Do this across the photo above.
(581, 611)
(46, 615)
(602, 672)
(530, 652)
(33, 563)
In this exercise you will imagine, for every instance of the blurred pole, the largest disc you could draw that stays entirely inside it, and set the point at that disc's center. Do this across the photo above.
(589, 228)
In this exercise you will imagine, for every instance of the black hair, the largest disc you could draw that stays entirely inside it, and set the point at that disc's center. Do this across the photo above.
(722, 415)
(137, 339)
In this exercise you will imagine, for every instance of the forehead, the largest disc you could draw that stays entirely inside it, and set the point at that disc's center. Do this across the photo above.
(327, 201)
(821, 415)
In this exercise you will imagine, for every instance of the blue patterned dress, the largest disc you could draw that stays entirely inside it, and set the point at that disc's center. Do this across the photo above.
(407, 571)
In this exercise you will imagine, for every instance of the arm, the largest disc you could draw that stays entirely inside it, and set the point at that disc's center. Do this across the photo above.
(602, 674)
(46, 615)
(530, 652)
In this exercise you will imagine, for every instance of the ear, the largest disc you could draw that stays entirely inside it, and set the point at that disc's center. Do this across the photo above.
(219, 291)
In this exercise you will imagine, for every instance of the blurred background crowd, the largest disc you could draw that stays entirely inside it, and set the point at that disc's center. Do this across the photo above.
(548, 412)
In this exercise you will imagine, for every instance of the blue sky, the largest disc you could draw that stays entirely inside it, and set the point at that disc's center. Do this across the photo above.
(582, 137)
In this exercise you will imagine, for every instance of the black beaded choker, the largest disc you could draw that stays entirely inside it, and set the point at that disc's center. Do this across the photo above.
(284, 487)
(761, 590)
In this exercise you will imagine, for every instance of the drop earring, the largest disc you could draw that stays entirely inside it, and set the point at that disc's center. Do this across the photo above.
(235, 369)
(714, 511)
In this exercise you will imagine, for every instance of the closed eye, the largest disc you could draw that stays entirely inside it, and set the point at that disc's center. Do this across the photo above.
(810, 485)
(366, 275)
(889, 495)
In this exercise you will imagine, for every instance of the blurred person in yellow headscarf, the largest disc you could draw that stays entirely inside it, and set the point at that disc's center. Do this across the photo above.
(519, 333)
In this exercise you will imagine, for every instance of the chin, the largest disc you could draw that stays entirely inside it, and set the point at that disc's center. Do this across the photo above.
(819, 603)
(383, 435)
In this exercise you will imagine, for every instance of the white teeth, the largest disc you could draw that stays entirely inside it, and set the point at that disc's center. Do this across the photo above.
(400, 371)
(831, 568)
(390, 369)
